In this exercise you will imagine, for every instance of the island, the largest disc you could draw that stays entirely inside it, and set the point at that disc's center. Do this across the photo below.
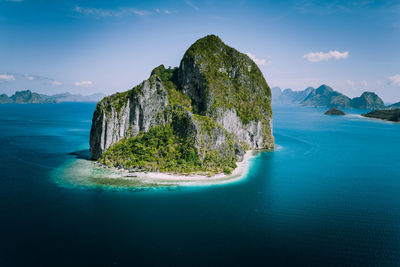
(368, 100)
(25, 97)
(384, 114)
(199, 118)
(325, 96)
(29, 97)
(334, 111)
(394, 106)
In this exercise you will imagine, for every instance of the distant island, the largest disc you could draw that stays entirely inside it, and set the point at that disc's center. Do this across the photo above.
(388, 115)
(199, 118)
(334, 111)
(394, 106)
(325, 96)
(29, 97)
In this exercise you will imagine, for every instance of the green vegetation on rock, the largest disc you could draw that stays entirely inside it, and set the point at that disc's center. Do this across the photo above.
(334, 111)
(169, 79)
(174, 120)
(162, 149)
(388, 115)
(224, 78)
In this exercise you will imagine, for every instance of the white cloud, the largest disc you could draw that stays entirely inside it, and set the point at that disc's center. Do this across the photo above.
(7, 77)
(29, 77)
(356, 85)
(321, 56)
(121, 12)
(56, 83)
(259, 61)
(351, 83)
(166, 11)
(395, 79)
(83, 83)
(157, 10)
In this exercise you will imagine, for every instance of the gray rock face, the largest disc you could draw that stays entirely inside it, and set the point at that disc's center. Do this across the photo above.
(122, 115)
(207, 135)
(250, 133)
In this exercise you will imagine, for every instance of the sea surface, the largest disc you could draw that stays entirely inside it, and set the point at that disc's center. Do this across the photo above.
(329, 195)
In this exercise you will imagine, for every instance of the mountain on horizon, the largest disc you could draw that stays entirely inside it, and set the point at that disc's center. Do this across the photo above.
(289, 96)
(326, 96)
(29, 97)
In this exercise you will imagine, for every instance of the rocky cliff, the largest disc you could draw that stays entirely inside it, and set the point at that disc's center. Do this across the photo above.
(200, 117)
(126, 114)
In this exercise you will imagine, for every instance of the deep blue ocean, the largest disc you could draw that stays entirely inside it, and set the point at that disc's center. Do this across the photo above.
(328, 196)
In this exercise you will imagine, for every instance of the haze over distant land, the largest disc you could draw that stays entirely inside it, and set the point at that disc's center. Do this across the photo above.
(325, 96)
(29, 97)
(97, 46)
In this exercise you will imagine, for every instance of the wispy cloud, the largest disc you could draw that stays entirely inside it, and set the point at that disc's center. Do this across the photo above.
(351, 83)
(357, 85)
(83, 83)
(323, 8)
(395, 79)
(321, 56)
(15, 1)
(55, 82)
(7, 77)
(120, 12)
(29, 77)
(165, 11)
(319, 8)
(259, 61)
(364, 83)
(192, 5)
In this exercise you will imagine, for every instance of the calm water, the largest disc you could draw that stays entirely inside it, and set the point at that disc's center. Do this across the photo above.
(329, 195)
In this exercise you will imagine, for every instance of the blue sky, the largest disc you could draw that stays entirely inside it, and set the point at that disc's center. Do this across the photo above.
(107, 46)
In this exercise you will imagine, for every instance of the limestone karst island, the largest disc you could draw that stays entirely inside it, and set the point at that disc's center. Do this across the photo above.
(198, 118)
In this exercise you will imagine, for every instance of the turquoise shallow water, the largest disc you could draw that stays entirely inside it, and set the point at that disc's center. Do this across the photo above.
(329, 195)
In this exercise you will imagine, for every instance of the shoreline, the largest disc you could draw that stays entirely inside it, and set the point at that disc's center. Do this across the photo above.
(372, 118)
(171, 179)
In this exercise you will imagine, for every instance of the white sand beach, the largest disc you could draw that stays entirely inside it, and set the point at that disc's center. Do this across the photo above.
(81, 172)
(195, 179)
(171, 179)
